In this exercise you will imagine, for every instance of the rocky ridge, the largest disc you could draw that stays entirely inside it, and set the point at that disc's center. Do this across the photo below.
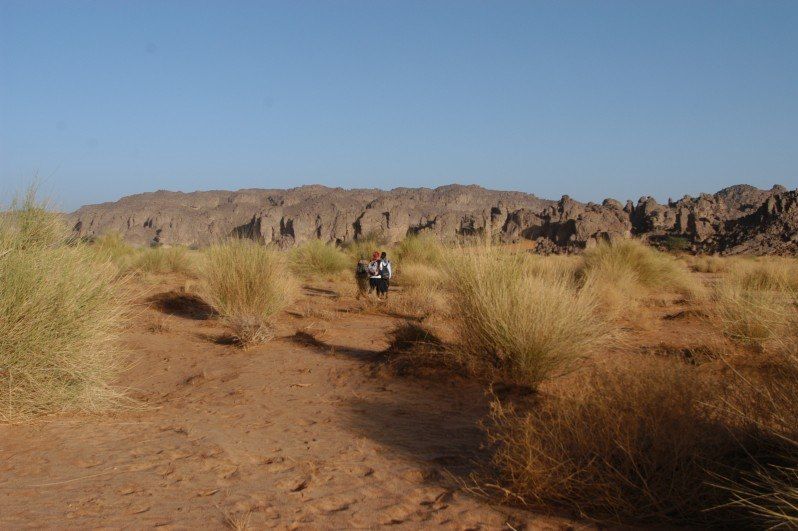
(738, 219)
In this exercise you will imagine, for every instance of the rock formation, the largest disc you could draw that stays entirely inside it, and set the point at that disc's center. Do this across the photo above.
(738, 219)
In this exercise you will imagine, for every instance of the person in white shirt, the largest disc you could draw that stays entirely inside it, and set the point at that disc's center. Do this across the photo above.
(386, 272)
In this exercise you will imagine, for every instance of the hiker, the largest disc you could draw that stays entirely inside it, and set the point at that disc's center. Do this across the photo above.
(362, 277)
(374, 273)
(386, 272)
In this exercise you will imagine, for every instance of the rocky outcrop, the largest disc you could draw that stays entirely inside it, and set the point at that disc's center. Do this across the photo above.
(292, 216)
(569, 225)
(738, 219)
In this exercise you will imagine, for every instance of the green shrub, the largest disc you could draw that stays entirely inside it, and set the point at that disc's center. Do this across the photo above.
(677, 244)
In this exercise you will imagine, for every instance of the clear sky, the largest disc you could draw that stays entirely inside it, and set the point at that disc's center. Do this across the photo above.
(593, 99)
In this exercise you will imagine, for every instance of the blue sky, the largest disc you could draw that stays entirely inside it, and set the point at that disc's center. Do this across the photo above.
(593, 99)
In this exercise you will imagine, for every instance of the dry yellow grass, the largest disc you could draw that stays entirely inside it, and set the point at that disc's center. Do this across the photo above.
(638, 270)
(756, 301)
(316, 259)
(756, 304)
(248, 284)
(60, 315)
(766, 400)
(708, 263)
(418, 275)
(628, 276)
(162, 260)
(112, 247)
(523, 323)
(632, 442)
(423, 248)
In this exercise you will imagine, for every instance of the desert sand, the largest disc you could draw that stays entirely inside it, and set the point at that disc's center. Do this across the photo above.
(307, 431)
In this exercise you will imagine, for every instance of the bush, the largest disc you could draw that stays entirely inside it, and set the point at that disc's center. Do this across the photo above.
(60, 315)
(248, 284)
(423, 248)
(314, 258)
(525, 325)
(629, 442)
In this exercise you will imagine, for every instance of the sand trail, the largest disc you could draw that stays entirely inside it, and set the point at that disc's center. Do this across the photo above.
(300, 433)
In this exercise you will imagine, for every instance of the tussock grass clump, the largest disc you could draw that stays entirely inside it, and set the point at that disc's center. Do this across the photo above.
(422, 248)
(248, 284)
(767, 401)
(315, 258)
(525, 325)
(60, 315)
(755, 302)
(111, 246)
(418, 275)
(753, 316)
(637, 270)
(30, 224)
(766, 274)
(709, 263)
(756, 305)
(163, 260)
(630, 442)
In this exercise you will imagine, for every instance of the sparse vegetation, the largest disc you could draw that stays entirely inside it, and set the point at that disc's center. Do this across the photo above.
(162, 260)
(625, 273)
(423, 248)
(677, 244)
(112, 246)
(60, 313)
(363, 247)
(144, 260)
(709, 263)
(315, 258)
(248, 284)
(624, 436)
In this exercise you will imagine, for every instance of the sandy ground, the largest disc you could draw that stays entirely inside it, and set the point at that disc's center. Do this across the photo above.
(304, 432)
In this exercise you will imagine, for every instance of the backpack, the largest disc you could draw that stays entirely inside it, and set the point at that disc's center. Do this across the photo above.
(385, 272)
(374, 268)
(362, 268)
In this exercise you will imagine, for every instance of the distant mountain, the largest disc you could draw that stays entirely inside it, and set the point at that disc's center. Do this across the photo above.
(738, 219)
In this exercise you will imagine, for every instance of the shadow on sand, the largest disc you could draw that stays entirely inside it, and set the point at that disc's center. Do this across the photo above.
(182, 304)
(432, 421)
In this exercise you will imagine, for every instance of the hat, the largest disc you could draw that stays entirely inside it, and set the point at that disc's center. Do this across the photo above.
(376, 255)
